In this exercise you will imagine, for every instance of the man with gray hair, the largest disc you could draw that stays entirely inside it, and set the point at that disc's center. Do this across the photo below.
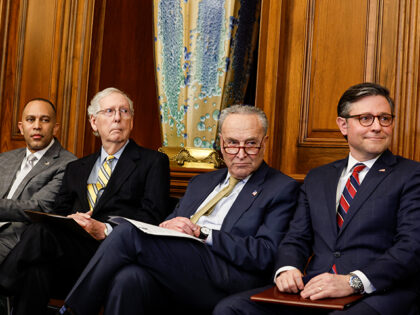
(240, 213)
(122, 179)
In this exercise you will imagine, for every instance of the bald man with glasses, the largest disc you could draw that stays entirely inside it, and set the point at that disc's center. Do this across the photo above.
(357, 218)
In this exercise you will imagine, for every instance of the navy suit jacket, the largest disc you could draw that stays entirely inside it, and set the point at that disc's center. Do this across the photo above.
(138, 187)
(257, 220)
(380, 235)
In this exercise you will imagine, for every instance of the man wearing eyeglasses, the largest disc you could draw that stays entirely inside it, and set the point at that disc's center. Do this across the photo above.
(358, 218)
(137, 273)
(122, 179)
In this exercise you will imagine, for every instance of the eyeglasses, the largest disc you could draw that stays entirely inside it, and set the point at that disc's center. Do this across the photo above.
(250, 148)
(366, 120)
(110, 112)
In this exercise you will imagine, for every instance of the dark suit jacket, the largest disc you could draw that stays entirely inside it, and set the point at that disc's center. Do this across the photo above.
(37, 191)
(380, 235)
(256, 222)
(138, 187)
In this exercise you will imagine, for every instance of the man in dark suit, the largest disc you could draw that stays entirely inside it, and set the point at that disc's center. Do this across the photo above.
(359, 218)
(31, 176)
(122, 179)
(137, 273)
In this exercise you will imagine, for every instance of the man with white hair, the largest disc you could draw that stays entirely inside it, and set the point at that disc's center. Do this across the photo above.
(121, 179)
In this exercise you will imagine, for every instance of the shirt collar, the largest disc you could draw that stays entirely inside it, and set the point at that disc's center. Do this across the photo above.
(245, 180)
(352, 162)
(39, 154)
(116, 154)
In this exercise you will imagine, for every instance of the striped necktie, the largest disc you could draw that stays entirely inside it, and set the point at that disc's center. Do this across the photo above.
(207, 209)
(104, 174)
(349, 192)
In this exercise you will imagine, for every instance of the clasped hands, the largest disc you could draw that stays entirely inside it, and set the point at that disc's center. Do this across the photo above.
(183, 225)
(325, 285)
(92, 226)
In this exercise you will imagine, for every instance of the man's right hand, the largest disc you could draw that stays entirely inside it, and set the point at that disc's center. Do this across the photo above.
(290, 281)
(180, 224)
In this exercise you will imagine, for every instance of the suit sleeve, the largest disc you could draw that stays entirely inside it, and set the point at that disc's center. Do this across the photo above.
(296, 247)
(402, 260)
(255, 251)
(42, 199)
(154, 204)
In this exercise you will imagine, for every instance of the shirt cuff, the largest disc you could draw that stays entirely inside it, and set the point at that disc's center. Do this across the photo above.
(209, 239)
(109, 228)
(280, 270)
(367, 285)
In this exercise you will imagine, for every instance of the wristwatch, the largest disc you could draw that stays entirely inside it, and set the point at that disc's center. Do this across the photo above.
(356, 283)
(204, 232)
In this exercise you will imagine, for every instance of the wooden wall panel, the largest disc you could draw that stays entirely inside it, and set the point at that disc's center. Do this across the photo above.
(46, 55)
(124, 46)
(311, 51)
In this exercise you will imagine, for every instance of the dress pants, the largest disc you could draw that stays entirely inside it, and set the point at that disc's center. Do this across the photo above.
(241, 304)
(136, 273)
(45, 263)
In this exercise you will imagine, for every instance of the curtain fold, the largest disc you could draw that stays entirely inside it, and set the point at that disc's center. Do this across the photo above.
(204, 52)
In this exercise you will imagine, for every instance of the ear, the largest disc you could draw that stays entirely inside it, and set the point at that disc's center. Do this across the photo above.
(20, 127)
(55, 129)
(342, 124)
(92, 121)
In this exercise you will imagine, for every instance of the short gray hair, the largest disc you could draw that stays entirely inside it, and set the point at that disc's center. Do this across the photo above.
(95, 107)
(244, 110)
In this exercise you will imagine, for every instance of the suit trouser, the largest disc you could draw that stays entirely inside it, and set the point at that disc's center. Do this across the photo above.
(45, 263)
(9, 237)
(136, 273)
(241, 304)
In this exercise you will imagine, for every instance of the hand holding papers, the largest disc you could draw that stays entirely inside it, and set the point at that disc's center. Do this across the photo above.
(153, 229)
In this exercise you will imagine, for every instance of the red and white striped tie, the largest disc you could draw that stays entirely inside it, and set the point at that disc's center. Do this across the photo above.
(348, 194)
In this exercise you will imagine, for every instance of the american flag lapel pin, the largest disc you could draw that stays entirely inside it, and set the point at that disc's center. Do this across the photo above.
(254, 193)
(382, 170)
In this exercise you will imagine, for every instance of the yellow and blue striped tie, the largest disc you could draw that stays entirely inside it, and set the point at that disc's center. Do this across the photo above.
(104, 174)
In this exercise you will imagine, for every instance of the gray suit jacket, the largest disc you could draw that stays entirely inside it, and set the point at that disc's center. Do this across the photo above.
(37, 191)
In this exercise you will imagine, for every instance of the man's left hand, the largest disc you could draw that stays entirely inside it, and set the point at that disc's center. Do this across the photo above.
(327, 285)
(92, 226)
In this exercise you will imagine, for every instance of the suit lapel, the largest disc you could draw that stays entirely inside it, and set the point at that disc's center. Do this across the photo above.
(84, 171)
(246, 197)
(379, 171)
(122, 171)
(47, 160)
(333, 176)
(10, 172)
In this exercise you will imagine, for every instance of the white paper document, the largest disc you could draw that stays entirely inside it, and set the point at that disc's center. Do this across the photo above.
(155, 230)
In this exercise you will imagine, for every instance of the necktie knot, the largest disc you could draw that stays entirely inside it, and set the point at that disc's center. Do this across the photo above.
(358, 168)
(30, 160)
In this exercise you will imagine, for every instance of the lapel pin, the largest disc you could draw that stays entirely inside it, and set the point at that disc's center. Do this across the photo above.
(382, 170)
(47, 163)
(254, 193)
